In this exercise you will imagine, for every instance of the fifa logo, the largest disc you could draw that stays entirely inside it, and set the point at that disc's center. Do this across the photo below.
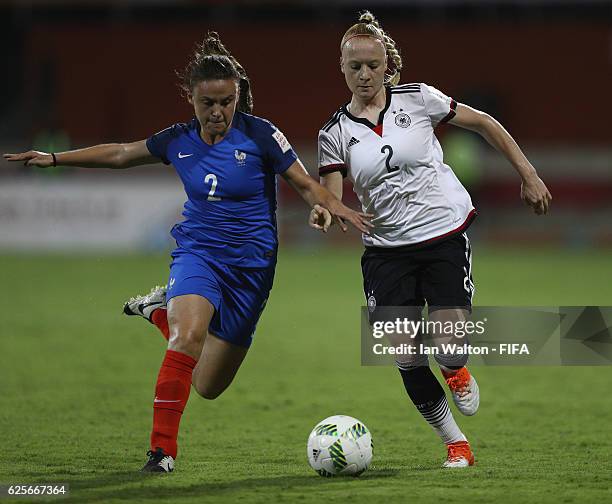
(240, 157)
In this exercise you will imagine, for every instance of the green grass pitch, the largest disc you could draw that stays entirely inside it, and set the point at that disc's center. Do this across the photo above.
(77, 378)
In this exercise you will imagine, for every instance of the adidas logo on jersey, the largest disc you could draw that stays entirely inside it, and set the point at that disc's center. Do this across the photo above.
(352, 141)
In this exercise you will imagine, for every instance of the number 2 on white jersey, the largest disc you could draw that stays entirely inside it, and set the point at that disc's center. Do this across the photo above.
(389, 150)
(212, 177)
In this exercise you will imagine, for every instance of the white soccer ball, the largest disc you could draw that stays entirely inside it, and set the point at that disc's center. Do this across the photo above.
(340, 445)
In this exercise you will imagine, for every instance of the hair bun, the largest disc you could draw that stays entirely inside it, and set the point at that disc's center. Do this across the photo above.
(367, 17)
(213, 35)
(369, 26)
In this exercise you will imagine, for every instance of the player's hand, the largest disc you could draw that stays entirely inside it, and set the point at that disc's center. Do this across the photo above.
(342, 214)
(31, 158)
(320, 218)
(535, 193)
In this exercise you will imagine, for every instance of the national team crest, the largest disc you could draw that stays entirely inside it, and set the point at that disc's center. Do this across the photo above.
(240, 157)
(402, 120)
(371, 303)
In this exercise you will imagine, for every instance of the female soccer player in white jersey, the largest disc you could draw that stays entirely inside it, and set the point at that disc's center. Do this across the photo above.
(383, 141)
(223, 266)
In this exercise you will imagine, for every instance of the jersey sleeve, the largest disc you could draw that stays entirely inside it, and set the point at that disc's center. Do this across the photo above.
(330, 154)
(158, 143)
(439, 107)
(278, 151)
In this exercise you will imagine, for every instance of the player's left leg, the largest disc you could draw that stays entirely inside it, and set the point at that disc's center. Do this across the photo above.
(244, 293)
(152, 307)
(462, 384)
(220, 359)
(448, 287)
(217, 366)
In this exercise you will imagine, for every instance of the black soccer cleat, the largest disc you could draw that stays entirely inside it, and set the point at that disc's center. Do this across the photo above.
(158, 462)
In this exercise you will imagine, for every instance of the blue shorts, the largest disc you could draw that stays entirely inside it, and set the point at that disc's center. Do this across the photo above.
(239, 295)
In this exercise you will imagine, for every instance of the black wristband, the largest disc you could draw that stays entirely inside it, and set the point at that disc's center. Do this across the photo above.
(54, 159)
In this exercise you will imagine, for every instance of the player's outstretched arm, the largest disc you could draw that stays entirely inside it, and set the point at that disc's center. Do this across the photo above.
(320, 199)
(319, 217)
(533, 190)
(117, 155)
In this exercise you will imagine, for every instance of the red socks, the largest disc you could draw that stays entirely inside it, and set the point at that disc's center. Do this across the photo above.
(160, 318)
(171, 394)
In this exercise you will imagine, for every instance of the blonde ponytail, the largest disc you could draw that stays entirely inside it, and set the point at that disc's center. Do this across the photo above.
(368, 25)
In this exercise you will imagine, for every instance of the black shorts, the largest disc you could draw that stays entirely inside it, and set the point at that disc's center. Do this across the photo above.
(439, 275)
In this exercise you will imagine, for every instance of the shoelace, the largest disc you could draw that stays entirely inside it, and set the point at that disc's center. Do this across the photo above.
(155, 456)
(459, 382)
(145, 297)
(458, 451)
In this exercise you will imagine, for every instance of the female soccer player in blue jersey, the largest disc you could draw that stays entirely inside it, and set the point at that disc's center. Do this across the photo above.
(223, 266)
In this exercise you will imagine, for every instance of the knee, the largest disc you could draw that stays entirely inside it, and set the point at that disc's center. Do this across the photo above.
(451, 361)
(189, 340)
(207, 391)
(410, 362)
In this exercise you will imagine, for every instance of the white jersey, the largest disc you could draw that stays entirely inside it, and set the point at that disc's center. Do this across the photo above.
(397, 168)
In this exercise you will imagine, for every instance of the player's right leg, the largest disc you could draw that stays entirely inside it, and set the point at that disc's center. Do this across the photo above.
(194, 356)
(212, 313)
(189, 316)
(193, 299)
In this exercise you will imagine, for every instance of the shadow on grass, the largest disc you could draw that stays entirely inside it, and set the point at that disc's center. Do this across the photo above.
(127, 486)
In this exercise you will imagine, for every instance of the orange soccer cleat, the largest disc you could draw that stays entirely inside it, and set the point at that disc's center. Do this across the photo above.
(464, 389)
(459, 455)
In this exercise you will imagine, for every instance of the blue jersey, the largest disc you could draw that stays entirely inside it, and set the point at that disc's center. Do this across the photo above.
(230, 212)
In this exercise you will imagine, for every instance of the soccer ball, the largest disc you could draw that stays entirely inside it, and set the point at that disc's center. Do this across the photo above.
(340, 445)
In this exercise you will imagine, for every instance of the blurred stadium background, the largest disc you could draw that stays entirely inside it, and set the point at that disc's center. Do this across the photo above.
(75, 243)
(83, 72)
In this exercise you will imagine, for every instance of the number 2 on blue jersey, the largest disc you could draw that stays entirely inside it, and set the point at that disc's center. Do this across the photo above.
(212, 177)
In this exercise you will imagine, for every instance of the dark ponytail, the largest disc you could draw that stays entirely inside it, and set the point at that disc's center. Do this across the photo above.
(211, 60)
